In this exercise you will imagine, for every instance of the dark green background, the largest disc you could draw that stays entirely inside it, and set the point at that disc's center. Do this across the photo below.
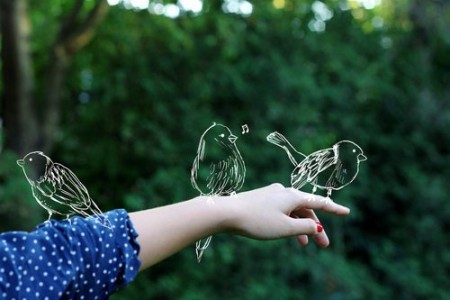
(139, 96)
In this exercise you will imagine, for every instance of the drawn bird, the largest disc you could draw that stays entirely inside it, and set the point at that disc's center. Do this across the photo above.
(57, 189)
(218, 168)
(329, 169)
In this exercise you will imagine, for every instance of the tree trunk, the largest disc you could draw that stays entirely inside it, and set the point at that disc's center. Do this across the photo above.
(18, 114)
(24, 128)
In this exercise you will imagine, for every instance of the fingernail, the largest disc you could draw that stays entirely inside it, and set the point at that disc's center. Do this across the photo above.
(319, 227)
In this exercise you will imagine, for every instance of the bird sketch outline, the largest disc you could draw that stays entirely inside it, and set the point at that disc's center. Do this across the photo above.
(58, 190)
(218, 169)
(328, 169)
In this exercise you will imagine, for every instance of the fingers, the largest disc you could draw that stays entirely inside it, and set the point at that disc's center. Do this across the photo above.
(302, 239)
(319, 235)
(323, 203)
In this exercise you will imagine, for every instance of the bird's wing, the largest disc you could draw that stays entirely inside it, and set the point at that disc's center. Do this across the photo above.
(219, 177)
(337, 178)
(311, 167)
(46, 188)
(69, 188)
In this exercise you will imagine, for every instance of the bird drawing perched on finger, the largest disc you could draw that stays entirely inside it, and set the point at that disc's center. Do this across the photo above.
(218, 168)
(329, 169)
(57, 189)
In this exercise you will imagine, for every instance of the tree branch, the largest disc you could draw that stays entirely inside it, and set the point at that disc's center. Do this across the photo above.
(72, 37)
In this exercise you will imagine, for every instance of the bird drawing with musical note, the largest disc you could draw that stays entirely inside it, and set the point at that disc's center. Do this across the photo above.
(328, 169)
(218, 168)
(57, 189)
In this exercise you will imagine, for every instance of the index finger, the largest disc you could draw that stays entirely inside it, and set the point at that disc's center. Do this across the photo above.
(323, 203)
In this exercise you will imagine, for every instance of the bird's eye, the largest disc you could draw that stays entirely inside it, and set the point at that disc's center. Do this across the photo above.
(30, 159)
(354, 150)
(222, 135)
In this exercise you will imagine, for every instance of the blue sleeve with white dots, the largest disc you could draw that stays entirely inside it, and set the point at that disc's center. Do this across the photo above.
(72, 259)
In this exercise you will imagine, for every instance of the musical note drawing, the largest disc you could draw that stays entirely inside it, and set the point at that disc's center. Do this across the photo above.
(245, 129)
(329, 169)
(218, 168)
(57, 189)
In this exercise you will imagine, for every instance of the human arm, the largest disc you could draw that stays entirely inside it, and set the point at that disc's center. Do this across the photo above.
(266, 213)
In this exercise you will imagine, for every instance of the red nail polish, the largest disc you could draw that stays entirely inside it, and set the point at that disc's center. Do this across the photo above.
(319, 227)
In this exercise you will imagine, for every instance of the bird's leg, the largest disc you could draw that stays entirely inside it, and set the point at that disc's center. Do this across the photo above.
(49, 215)
(210, 200)
(329, 191)
(314, 190)
(68, 219)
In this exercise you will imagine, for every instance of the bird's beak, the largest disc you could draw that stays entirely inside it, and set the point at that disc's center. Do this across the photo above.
(232, 138)
(362, 157)
(20, 162)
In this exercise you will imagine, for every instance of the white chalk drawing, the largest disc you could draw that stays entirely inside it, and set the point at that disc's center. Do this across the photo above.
(328, 169)
(57, 189)
(245, 129)
(218, 168)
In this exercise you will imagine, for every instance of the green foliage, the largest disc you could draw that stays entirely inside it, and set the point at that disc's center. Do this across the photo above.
(140, 95)
(18, 209)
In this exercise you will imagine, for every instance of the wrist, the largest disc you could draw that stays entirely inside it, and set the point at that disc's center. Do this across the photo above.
(224, 211)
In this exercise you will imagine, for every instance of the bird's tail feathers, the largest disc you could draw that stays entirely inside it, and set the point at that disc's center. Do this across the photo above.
(95, 213)
(281, 141)
(199, 248)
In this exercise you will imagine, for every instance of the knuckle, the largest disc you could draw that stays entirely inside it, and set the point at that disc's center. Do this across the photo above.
(312, 226)
(277, 186)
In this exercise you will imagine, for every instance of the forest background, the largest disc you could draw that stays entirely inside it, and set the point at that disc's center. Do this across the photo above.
(121, 90)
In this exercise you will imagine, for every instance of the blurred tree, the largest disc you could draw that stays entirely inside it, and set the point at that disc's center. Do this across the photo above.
(28, 123)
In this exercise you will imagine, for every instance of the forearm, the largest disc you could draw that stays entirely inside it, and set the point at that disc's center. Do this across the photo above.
(166, 230)
(266, 213)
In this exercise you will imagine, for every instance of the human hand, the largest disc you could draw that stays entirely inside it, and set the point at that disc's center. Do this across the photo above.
(275, 212)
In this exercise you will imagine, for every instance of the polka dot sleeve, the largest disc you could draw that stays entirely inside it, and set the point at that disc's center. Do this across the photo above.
(72, 259)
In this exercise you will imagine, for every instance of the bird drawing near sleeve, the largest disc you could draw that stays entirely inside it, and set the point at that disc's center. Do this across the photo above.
(57, 189)
(218, 168)
(328, 169)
